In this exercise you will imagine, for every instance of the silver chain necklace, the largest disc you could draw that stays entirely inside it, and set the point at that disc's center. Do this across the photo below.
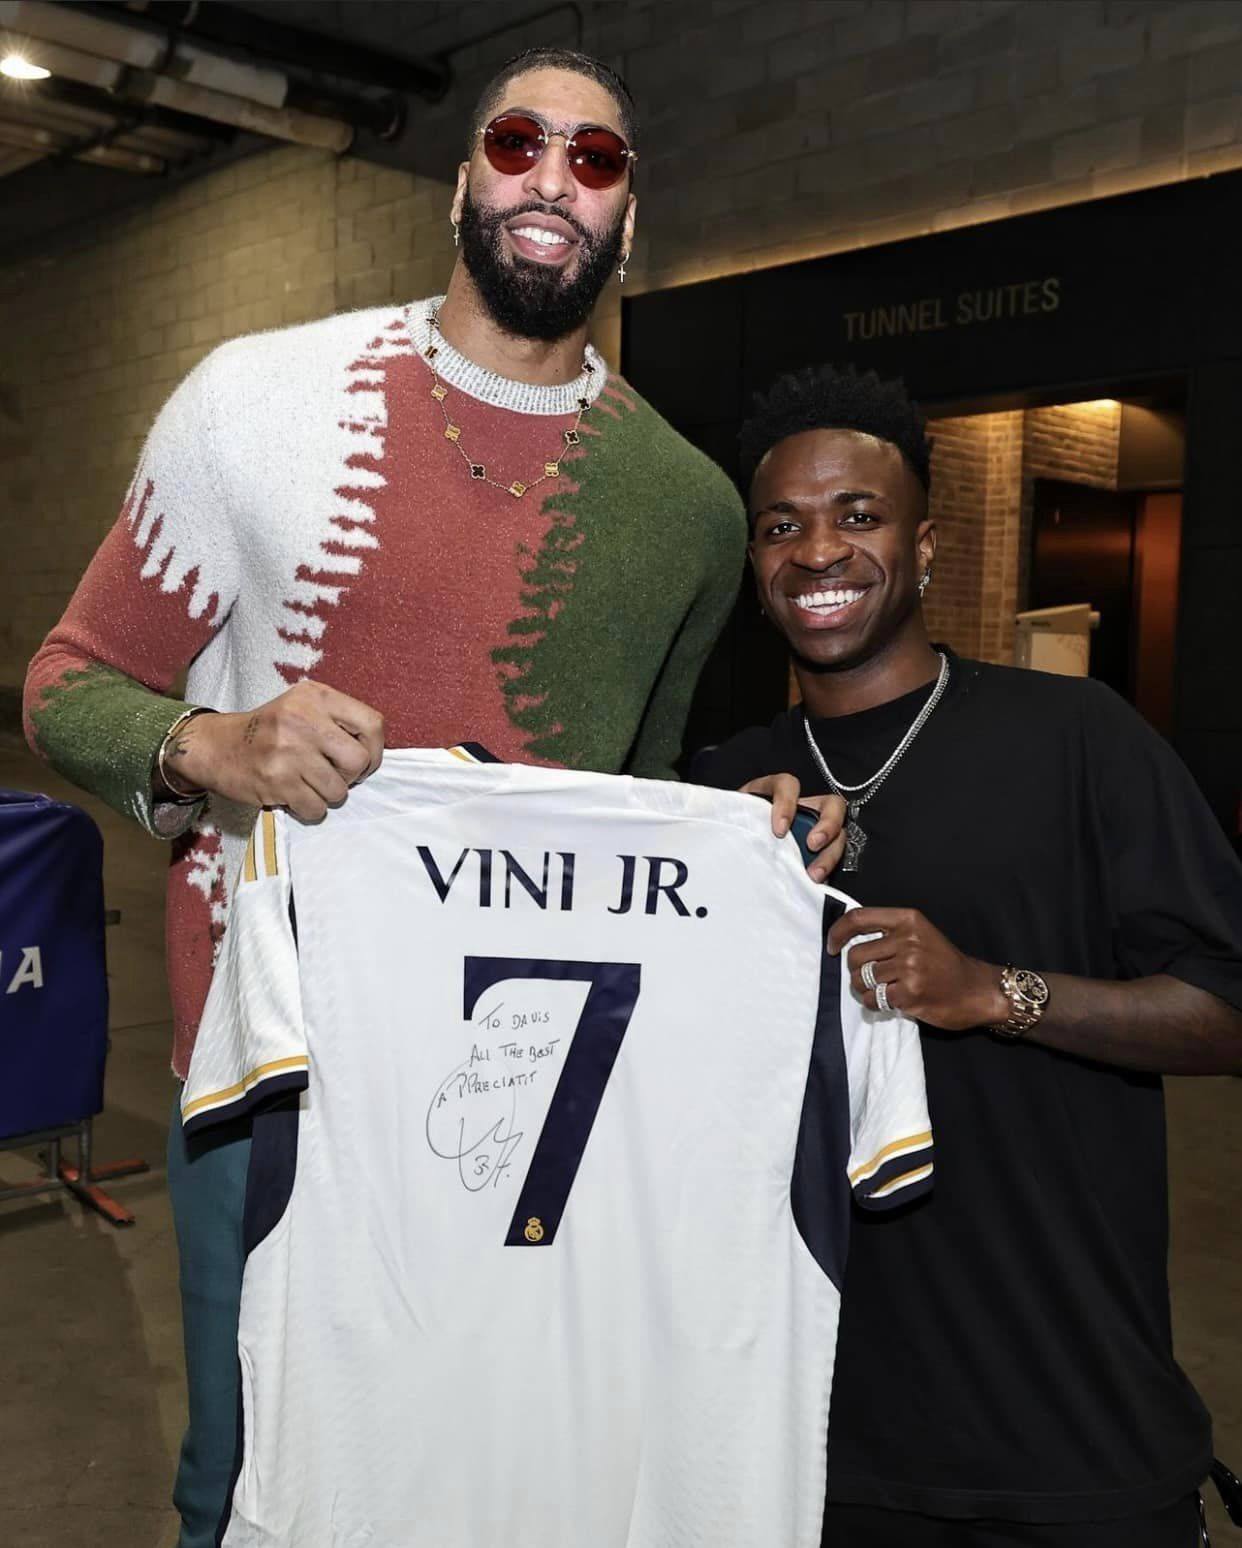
(857, 796)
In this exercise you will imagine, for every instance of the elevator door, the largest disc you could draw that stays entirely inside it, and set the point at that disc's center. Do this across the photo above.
(1083, 551)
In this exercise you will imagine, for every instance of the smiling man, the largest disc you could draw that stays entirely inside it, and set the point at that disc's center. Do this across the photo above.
(408, 526)
(1049, 896)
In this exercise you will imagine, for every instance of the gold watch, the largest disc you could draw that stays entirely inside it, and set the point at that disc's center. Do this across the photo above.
(1028, 997)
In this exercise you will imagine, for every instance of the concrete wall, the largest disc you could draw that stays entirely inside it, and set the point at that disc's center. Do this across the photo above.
(97, 334)
(776, 129)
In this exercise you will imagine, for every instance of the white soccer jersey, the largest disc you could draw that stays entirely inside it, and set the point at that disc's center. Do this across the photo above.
(547, 1251)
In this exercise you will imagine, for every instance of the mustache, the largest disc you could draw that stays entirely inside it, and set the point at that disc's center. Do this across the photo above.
(535, 207)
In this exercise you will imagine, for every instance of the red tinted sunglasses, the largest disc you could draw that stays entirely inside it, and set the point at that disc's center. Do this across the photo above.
(598, 158)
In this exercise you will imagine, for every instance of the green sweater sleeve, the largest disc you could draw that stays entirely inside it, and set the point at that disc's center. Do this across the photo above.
(658, 744)
(158, 589)
(102, 730)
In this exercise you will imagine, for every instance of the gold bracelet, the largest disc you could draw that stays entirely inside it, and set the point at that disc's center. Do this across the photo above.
(173, 795)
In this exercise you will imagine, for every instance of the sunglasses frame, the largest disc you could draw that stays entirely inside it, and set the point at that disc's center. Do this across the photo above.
(550, 134)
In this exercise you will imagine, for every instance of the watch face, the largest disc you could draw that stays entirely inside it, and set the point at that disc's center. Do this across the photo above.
(1031, 985)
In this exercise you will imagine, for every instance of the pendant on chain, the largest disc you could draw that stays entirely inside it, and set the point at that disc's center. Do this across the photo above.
(855, 839)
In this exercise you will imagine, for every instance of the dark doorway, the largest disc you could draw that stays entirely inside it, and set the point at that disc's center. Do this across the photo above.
(1083, 551)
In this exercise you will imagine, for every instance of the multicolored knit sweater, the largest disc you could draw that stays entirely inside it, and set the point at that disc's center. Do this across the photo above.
(299, 510)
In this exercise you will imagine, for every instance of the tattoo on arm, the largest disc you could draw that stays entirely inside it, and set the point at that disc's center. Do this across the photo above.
(252, 728)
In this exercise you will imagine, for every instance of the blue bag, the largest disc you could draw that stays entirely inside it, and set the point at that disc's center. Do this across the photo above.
(53, 982)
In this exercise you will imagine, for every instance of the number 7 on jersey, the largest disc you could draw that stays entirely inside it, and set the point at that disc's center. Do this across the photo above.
(571, 1113)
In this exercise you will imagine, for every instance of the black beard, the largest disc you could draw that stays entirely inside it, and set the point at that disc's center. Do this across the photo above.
(535, 300)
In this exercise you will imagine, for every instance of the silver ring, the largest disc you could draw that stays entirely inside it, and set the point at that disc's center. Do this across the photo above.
(881, 997)
(868, 975)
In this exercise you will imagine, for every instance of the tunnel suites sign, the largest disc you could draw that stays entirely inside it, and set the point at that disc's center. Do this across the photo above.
(965, 309)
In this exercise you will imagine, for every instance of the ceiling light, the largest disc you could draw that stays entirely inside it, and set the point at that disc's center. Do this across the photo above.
(19, 68)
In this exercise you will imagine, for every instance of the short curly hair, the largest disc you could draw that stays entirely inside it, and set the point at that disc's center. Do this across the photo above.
(828, 397)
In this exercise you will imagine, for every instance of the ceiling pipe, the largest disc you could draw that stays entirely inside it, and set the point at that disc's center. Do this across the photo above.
(290, 124)
(136, 131)
(383, 116)
(24, 137)
(59, 93)
(217, 22)
(132, 85)
(166, 53)
(144, 50)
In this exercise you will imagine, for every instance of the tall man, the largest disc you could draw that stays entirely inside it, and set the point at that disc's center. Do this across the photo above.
(1051, 898)
(416, 525)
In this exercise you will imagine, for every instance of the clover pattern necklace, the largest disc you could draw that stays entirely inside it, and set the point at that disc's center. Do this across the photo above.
(856, 796)
(478, 470)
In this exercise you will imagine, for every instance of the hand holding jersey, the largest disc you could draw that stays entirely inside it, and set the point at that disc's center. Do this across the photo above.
(924, 974)
(301, 750)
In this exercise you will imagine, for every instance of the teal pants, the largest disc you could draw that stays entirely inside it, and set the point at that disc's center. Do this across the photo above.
(207, 1182)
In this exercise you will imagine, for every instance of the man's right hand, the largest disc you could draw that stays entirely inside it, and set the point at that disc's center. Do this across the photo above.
(302, 750)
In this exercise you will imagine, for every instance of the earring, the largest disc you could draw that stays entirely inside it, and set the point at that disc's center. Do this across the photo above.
(926, 580)
(625, 258)
(456, 231)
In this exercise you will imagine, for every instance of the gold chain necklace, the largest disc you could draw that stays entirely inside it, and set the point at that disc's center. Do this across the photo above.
(478, 470)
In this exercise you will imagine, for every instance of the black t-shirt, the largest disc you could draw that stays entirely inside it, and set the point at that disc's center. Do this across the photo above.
(1005, 1345)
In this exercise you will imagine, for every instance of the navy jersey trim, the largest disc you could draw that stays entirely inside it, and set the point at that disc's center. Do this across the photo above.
(270, 1174)
(226, 1511)
(272, 1169)
(819, 1189)
(478, 752)
(258, 1089)
(900, 1179)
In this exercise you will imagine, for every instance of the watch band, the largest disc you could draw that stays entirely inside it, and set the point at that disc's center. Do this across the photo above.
(1028, 996)
(170, 793)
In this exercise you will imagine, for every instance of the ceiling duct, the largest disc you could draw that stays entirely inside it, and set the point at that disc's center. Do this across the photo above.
(30, 99)
(137, 66)
(232, 26)
(144, 50)
(86, 124)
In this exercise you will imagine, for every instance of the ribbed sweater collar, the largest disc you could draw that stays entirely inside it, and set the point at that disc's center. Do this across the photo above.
(489, 387)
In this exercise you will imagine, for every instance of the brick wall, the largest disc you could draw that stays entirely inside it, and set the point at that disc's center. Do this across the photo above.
(958, 504)
(1077, 441)
(983, 472)
(96, 336)
(976, 496)
(999, 594)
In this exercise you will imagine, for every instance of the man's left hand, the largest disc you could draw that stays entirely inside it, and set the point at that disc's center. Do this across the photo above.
(927, 978)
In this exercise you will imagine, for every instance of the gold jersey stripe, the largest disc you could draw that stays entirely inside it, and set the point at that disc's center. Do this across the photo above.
(251, 1078)
(249, 872)
(459, 752)
(269, 844)
(911, 1142)
(916, 1175)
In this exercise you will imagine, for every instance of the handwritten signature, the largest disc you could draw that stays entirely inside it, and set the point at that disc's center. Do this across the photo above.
(452, 1119)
